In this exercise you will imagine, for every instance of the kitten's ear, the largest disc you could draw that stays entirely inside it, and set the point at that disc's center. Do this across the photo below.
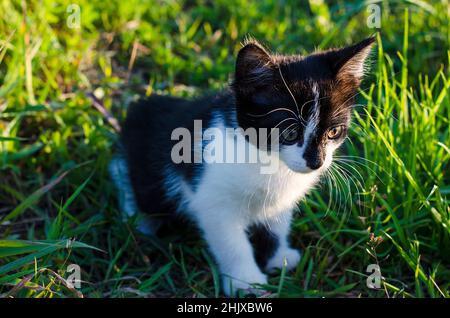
(348, 62)
(254, 67)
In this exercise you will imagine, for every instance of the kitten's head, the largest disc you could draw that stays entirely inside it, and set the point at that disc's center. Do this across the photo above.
(309, 98)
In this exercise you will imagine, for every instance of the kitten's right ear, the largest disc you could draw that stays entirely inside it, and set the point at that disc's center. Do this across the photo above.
(254, 67)
(349, 61)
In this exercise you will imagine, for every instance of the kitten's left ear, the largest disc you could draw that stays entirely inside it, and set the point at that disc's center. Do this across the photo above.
(254, 66)
(348, 62)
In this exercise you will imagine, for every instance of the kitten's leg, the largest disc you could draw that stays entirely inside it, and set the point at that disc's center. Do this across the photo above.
(280, 227)
(227, 239)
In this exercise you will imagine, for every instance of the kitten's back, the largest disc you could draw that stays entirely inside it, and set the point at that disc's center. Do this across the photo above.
(147, 144)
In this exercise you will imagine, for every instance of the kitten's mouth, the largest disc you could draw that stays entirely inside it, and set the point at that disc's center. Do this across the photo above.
(302, 169)
(305, 170)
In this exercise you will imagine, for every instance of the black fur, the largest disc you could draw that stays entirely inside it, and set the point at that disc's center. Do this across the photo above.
(264, 242)
(264, 82)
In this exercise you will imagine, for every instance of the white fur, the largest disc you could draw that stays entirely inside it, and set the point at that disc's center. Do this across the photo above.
(118, 169)
(356, 65)
(231, 197)
(284, 256)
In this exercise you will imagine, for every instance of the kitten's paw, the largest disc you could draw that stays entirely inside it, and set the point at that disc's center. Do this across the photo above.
(243, 281)
(291, 255)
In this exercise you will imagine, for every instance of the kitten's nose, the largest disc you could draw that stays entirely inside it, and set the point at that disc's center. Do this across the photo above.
(315, 163)
(314, 157)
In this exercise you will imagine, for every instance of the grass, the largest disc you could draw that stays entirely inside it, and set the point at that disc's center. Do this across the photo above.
(61, 90)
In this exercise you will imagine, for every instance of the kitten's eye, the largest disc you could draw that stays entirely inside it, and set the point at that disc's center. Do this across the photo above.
(335, 132)
(290, 135)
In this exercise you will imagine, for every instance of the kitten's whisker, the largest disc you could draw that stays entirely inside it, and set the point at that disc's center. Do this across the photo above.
(288, 127)
(353, 159)
(312, 100)
(367, 167)
(338, 184)
(347, 164)
(266, 218)
(331, 178)
(294, 124)
(346, 181)
(358, 178)
(292, 95)
(330, 194)
(353, 179)
(356, 182)
(349, 180)
(349, 140)
(362, 130)
(365, 114)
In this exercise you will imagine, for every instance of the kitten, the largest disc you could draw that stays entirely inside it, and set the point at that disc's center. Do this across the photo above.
(243, 213)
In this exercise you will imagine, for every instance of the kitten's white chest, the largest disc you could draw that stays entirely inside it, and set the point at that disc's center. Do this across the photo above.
(271, 194)
(250, 190)
(242, 188)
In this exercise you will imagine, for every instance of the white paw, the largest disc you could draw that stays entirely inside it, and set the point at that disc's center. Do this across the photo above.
(290, 255)
(243, 281)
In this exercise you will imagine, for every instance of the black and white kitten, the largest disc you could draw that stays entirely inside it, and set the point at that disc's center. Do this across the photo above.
(244, 214)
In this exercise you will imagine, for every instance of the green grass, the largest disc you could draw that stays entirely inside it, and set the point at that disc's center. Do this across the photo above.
(389, 201)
